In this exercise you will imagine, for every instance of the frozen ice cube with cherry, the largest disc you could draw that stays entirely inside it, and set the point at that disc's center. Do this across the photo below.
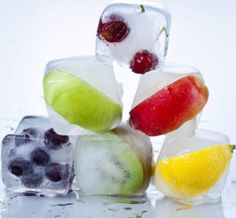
(135, 34)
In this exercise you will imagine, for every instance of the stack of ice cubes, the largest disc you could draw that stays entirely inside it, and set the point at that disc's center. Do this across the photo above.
(84, 136)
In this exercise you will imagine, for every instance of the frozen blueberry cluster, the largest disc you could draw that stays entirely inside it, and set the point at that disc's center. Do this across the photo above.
(36, 159)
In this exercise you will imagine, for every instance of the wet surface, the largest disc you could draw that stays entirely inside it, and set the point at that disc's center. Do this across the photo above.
(154, 205)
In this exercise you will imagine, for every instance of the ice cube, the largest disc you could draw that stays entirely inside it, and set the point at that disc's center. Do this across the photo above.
(82, 96)
(198, 165)
(36, 160)
(165, 100)
(33, 122)
(113, 163)
(134, 33)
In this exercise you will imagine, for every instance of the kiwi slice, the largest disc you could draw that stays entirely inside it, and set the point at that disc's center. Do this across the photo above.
(141, 145)
(106, 165)
(79, 102)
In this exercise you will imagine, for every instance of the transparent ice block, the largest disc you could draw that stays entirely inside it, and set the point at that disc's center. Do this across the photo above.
(82, 96)
(153, 82)
(177, 146)
(35, 160)
(114, 163)
(129, 27)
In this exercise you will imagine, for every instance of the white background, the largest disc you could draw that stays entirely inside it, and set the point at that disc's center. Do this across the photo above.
(203, 34)
(32, 32)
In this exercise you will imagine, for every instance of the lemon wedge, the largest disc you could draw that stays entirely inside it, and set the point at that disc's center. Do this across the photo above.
(192, 174)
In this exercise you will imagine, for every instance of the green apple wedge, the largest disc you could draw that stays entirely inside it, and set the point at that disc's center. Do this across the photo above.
(79, 102)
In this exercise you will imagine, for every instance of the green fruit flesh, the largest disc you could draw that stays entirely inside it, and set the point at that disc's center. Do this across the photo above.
(80, 103)
(121, 170)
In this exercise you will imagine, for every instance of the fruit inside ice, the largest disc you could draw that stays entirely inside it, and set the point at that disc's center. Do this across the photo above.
(194, 168)
(134, 33)
(166, 100)
(119, 162)
(193, 174)
(82, 96)
(143, 61)
(37, 160)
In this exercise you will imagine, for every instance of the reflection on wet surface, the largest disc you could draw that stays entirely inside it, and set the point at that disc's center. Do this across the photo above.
(104, 207)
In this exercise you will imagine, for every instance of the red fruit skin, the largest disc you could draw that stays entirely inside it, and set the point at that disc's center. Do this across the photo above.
(114, 30)
(143, 61)
(170, 107)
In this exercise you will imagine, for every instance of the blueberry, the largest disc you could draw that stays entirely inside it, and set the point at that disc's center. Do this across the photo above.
(20, 167)
(31, 132)
(32, 181)
(40, 157)
(54, 141)
(26, 136)
(57, 172)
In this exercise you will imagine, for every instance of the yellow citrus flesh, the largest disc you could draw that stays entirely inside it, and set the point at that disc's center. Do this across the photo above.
(193, 174)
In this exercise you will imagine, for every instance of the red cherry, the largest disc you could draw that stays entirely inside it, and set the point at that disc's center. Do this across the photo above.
(143, 61)
(114, 30)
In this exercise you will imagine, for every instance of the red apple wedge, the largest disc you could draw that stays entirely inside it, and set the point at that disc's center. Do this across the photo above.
(170, 107)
